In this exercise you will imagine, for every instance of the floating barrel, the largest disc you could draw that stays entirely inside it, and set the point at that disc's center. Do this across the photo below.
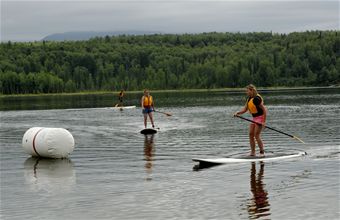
(48, 142)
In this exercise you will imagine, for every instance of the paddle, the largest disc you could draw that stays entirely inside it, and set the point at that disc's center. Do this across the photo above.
(166, 113)
(292, 136)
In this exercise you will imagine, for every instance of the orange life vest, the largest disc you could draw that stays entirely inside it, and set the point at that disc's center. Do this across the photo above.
(253, 108)
(147, 101)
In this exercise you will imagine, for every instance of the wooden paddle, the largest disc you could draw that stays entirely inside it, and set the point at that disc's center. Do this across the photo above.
(166, 113)
(292, 136)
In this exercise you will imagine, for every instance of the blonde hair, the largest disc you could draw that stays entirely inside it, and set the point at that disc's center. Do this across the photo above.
(252, 88)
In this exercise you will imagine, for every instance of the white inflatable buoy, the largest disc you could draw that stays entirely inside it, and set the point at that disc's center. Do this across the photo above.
(48, 142)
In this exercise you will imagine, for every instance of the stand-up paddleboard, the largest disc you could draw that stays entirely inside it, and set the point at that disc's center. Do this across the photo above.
(148, 131)
(103, 108)
(123, 107)
(217, 161)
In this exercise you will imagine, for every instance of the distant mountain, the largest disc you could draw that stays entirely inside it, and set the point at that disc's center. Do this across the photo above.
(86, 35)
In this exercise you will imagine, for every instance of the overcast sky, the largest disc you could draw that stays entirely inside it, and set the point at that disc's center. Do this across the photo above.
(27, 20)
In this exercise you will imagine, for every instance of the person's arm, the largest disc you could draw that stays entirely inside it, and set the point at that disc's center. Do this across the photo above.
(259, 102)
(142, 102)
(264, 113)
(243, 110)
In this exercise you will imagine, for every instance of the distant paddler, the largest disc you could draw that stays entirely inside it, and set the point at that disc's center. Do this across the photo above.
(120, 99)
(148, 107)
(255, 106)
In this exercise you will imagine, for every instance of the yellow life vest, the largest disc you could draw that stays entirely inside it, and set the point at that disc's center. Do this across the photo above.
(254, 109)
(147, 101)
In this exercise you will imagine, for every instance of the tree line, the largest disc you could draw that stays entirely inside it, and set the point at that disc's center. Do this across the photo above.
(171, 61)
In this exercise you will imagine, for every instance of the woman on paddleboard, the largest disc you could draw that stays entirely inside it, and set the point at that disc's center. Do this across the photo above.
(256, 107)
(148, 107)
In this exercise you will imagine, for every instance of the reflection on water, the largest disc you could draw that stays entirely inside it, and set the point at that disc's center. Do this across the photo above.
(149, 151)
(203, 98)
(258, 205)
(112, 161)
(49, 176)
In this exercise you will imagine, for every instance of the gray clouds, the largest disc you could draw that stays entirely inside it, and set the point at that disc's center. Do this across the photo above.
(29, 21)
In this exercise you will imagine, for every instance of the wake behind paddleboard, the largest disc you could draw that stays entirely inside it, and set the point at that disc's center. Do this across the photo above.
(247, 159)
(148, 131)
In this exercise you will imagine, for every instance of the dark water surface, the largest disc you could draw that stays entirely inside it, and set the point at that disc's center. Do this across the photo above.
(117, 173)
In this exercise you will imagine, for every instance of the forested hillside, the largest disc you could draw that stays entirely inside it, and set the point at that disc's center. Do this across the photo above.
(207, 60)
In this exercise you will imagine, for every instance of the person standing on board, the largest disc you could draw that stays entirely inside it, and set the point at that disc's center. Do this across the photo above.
(256, 107)
(148, 107)
(120, 98)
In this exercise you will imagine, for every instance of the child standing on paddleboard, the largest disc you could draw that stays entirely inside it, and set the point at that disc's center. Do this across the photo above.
(256, 107)
(120, 98)
(148, 107)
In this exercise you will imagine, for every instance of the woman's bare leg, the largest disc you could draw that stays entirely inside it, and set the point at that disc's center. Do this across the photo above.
(252, 139)
(258, 130)
(151, 119)
(145, 120)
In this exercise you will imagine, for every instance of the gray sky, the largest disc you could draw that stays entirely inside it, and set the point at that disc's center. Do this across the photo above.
(28, 20)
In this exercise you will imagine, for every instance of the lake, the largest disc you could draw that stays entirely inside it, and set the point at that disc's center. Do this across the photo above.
(115, 172)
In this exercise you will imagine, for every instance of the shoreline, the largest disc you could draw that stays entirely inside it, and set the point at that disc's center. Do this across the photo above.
(227, 90)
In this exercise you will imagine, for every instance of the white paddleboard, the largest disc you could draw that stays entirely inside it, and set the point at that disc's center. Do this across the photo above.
(103, 108)
(123, 107)
(248, 159)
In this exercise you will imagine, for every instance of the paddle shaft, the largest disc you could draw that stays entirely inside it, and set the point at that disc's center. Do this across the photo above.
(266, 126)
(168, 114)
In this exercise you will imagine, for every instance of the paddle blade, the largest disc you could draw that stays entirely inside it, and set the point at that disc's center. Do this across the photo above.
(299, 139)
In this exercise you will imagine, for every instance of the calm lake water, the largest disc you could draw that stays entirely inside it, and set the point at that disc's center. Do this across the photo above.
(117, 173)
